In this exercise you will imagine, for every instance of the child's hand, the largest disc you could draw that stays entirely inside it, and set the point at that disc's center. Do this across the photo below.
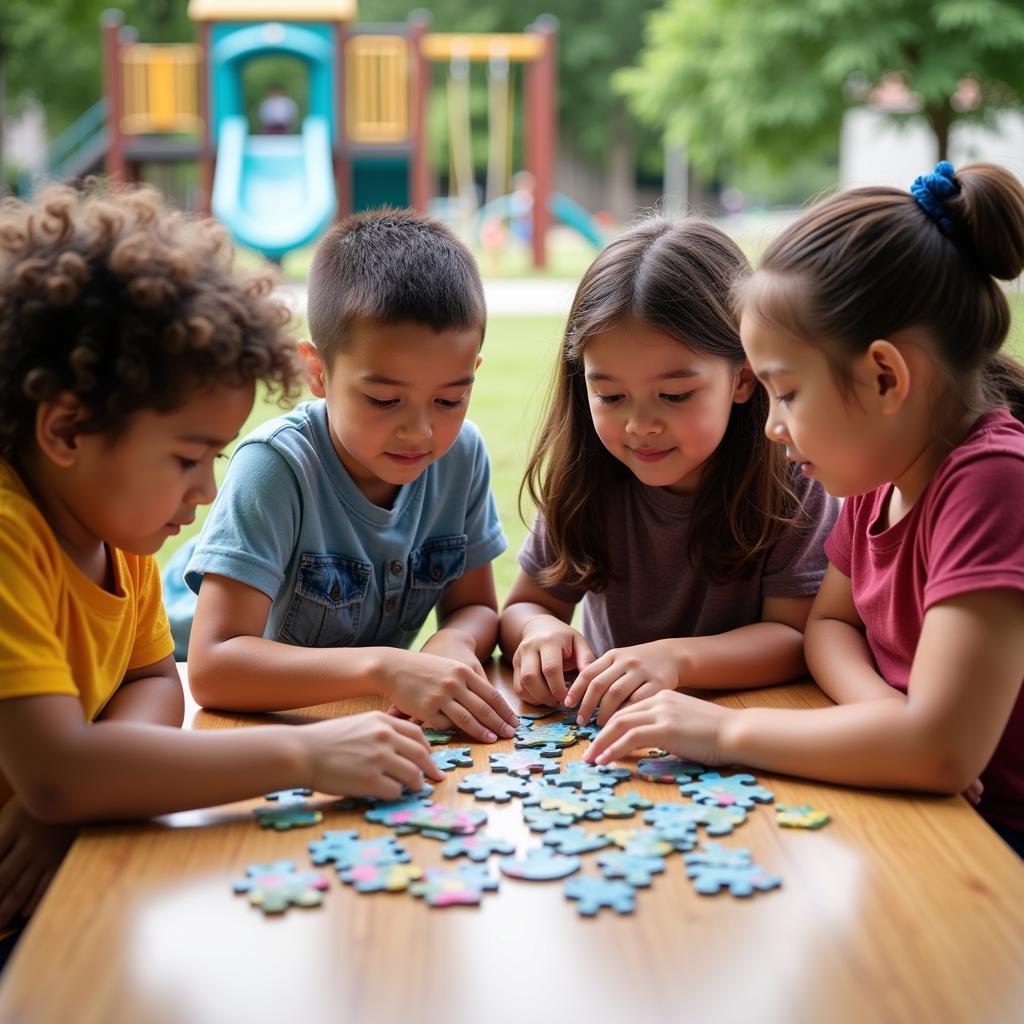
(548, 649)
(973, 792)
(682, 725)
(623, 676)
(457, 645)
(372, 754)
(445, 693)
(30, 853)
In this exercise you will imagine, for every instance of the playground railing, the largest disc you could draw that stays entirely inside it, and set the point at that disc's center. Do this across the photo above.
(78, 136)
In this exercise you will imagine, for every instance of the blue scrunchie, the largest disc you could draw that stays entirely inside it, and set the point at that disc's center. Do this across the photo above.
(932, 191)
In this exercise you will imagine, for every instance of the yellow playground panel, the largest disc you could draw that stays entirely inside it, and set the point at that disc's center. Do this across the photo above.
(377, 69)
(161, 89)
(270, 10)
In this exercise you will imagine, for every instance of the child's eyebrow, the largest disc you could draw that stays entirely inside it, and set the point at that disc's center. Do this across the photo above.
(377, 378)
(670, 375)
(210, 442)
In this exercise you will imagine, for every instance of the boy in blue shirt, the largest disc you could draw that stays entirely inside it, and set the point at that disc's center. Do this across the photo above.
(342, 524)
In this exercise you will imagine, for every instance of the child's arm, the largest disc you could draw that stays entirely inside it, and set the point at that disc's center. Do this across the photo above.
(836, 649)
(939, 739)
(467, 619)
(31, 851)
(535, 633)
(231, 666)
(65, 769)
(150, 695)
(761, 654)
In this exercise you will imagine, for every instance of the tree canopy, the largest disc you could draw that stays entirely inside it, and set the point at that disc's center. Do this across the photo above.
(741, 82)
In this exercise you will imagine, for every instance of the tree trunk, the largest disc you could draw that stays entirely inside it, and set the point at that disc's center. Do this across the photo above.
(940, 120)
(3, 112)
(621, 166)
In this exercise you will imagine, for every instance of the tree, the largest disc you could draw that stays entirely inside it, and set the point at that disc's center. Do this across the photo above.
(747, 81)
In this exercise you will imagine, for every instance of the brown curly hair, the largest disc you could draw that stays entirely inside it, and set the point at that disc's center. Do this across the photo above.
(110, 296)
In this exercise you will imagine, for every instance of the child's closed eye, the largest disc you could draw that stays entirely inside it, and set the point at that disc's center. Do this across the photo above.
(452, 403)
(381, 403)
(676, 399)
(608, 399)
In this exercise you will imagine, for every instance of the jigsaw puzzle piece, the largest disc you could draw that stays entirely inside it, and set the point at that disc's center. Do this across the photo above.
(575, 839)
(452, 757)
(669, 769)
(460, 886)
(714, 867)
(586, 777)
(727, 790)
(640, 842)
(541, 864)
(477, 848)
(377, 877)
(592, 894)
(804, 816)
(632, 868)
(500, 788)
(276, 887)
(287, 815)
(345, 849)
(522, 763)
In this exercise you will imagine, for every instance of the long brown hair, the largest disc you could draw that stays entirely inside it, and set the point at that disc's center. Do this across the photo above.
(675, 278)
(869, 262)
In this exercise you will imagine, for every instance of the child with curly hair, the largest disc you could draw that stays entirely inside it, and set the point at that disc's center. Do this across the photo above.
(130, 350)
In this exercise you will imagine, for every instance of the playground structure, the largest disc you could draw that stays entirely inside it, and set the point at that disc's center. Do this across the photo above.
(363, 139)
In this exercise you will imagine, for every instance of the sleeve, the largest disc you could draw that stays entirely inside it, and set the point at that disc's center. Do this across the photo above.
(839, 546)
(796, 564)
(152, 631)
(253, 526)
(485, 539)
(32, 656)
(975, 538)
(536, 555)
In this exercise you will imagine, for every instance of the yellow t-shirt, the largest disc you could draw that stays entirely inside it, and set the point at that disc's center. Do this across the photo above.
(59, 631)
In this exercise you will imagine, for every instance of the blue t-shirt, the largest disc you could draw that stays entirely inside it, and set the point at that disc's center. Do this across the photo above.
(341, 571)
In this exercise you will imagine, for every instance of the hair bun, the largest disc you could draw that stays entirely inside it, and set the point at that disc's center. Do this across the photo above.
(989, 211)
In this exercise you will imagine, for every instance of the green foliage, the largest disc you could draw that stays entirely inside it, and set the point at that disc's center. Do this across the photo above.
(746, 80)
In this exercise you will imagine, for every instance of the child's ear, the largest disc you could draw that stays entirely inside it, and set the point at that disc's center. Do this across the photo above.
(314, 367)
(479, 360)
(888, 375)
(745, 384)
(57, 429)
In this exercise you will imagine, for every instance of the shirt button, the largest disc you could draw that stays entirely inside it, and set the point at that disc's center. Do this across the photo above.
(389, 604)
(436, 572)
(396, 568)
(335, 592)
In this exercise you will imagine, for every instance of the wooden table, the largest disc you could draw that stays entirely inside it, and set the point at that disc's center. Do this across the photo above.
(904, 908)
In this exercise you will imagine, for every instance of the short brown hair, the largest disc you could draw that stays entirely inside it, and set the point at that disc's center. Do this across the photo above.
(108, 295)
(389, 266)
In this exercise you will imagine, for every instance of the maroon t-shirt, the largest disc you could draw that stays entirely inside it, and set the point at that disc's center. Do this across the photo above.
(653, 593)
(963, 534)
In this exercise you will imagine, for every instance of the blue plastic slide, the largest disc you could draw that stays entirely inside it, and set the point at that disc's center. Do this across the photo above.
(274, 193)
(561, 207)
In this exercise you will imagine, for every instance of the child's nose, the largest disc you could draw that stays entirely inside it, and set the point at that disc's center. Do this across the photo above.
(417, 425)
(642, 422)
(774, 428)
(204, 491)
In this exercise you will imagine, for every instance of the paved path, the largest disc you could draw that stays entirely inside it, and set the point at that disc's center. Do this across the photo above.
(510, 297)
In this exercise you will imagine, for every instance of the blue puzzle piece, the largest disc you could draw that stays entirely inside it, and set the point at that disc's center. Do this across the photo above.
(575, 839)
(345, 849)
(522, 763)
(592, 893)
(727, 790)
(293, 814)
(380, 812)
(452, 757)
(534, 716)
(588, 777)
(476, 848)
(500, 788)
(714, 867)
(541, 864)
(373, 877)
(668, 769)
(619, 805)
(545, 736)
(358, 803)
(640, 842)
(276, 887)
(289, 796)
(454, 887)
(539, 820)
(630, 867)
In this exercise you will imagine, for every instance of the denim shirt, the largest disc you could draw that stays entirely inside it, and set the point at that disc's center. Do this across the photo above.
(339, 570)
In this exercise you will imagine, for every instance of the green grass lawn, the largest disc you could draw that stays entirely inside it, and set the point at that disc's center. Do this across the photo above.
(508, 399)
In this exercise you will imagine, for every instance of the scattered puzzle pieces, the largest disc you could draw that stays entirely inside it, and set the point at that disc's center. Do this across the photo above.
(714, 867)
(541, 864)
(576, 839)
(477, 848)
(539, 820)
(621, 805)
(276, 887)
(371, 877)
(288, 815)
(727, 790)
(452, 757)
(668, 769)
(435, 821)
(632, 868)
(500, 788)
(587, 777)
(460, 886)
(640, 842)
(804, 816)
(592, 894)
